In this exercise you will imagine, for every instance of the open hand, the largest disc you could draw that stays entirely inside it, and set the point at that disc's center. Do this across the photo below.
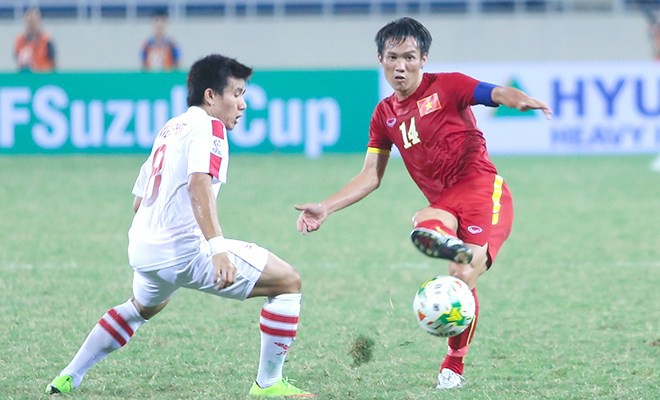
(531, 103)
(311, 217)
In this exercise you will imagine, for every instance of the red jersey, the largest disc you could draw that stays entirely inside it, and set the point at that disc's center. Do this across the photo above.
(435, 132)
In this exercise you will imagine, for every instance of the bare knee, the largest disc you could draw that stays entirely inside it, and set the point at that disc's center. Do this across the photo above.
(278, 277)
(430, 213)
(292, 283)
(423, 215)
(460, 271)
(296, 282)
(148, 312)
(468, 273)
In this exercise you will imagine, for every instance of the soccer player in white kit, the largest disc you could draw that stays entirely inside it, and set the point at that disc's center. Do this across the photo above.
(176, 241)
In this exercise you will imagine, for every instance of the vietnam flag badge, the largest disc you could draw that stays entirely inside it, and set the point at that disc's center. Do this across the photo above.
(428, 104)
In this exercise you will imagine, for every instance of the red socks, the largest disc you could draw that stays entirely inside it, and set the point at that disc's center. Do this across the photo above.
(435, 225)
(458, 345)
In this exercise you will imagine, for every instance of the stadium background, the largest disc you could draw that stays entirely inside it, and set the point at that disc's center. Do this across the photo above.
(569, 312)
(109, 38)
(317, 78)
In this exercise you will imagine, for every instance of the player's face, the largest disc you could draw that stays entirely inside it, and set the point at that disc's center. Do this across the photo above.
(402, 64)
(229, 106)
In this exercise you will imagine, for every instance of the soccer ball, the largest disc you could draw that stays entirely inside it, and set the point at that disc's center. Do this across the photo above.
(444, 306)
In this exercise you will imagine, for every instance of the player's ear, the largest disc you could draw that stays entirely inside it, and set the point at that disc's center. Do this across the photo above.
(424, 59)
(208, 95)
(380, 57)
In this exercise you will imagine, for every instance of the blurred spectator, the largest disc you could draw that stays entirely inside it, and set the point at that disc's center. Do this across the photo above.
(160, 52)
(654, 34)
(34, 49)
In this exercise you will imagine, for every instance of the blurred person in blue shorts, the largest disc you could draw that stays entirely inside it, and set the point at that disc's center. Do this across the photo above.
(160, 52)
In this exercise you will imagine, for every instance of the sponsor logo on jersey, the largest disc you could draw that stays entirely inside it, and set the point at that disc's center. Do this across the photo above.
(216, 146)
(390, 122)
(473, 229)
(428, 104)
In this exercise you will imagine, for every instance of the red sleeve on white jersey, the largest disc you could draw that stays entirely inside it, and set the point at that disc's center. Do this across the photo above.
(218, 131)
(209, 151)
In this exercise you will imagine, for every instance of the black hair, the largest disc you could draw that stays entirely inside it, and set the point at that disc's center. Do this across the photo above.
(31, 8)
(397, 31)
(160, 12)
(213, 72)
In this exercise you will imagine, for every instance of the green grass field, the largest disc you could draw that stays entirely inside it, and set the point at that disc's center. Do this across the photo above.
(571, 309)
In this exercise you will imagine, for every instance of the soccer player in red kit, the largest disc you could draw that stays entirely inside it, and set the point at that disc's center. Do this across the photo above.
(429, 119)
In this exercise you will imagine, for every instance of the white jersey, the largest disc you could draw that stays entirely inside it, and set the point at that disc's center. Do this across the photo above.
(164, 230)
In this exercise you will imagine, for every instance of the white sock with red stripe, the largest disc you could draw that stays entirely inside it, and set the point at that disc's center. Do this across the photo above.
(278, 324)
(112, 331)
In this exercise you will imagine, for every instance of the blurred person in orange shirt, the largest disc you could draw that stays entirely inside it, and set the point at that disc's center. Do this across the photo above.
(160, 52)
(34, 49)
(654, 32)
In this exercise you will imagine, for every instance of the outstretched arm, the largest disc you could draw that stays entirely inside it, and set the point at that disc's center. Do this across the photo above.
(514, 98)
(359, 187)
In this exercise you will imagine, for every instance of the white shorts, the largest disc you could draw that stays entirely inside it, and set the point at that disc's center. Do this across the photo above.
(152, 288)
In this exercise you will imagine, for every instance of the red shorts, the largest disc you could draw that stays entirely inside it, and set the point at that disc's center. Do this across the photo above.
(484, 208)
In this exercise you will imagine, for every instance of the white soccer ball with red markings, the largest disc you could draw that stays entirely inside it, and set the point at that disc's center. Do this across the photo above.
(444, 306)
